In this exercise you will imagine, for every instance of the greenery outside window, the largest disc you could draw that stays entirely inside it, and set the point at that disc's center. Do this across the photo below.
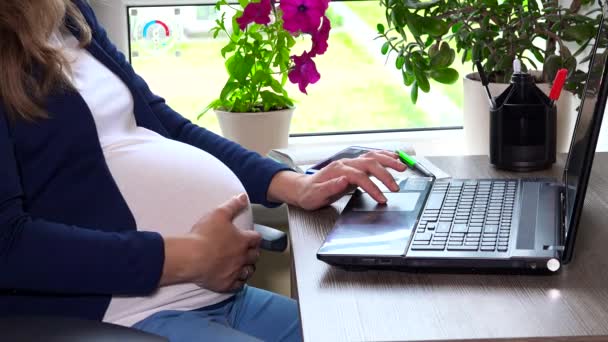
(172, 48)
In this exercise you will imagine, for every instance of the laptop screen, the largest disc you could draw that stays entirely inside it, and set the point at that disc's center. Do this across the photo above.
(584, 139)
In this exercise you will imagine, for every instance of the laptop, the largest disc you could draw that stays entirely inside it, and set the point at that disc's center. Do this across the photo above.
(522, 223)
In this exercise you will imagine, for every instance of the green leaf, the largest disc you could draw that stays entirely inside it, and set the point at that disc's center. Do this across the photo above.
(213, 105)
(273, 101)
(538, 55)
(409, 67)
(399, 16)
(260, 77)
(570, 63)
(422, 80)
(435, 27)
(385, 48)
(419, 61)
(228, 48)
(256, 36)
(380, 28)
(433, 50)
(456, 27)
(399, 62)
(442, 59)
(579, 33)
(414, 92)
(243, 69)
(552, 64)
(414, 23)
(446, 76)
(228, 89)
(408, 78)
(276, 86)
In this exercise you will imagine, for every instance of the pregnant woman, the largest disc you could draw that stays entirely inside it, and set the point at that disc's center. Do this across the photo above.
(114, 207)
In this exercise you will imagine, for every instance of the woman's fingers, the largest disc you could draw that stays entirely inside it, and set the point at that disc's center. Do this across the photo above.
(360, 178)
(322, 194)
(387, 159)
(246, 273)
(253, 254)
(372, 167)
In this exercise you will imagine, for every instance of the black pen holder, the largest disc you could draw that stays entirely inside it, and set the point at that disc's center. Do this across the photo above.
(523, 129)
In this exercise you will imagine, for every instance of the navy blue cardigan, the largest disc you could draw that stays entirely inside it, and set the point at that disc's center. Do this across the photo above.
(68, 240)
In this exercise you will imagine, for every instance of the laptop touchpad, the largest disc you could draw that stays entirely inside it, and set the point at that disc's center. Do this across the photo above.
(400, 201)
(368, 228)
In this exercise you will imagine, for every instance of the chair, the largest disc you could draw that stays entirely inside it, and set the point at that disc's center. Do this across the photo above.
(51, 329)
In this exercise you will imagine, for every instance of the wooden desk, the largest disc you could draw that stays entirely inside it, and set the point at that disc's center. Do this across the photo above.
(338, 305)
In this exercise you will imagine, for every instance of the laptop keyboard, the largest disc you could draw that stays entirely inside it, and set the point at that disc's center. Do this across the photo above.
(467, 216)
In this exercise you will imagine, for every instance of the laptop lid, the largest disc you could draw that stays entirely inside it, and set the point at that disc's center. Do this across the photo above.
(585, 136)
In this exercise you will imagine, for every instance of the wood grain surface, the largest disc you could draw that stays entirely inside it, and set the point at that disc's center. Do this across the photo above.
(338, 305)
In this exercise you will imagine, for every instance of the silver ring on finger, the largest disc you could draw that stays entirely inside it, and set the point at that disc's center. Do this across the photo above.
(246, 272)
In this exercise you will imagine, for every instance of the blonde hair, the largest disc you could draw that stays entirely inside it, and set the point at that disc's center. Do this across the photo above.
(30, 68)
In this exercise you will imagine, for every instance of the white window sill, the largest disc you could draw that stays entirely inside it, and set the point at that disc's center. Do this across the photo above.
(425, 143)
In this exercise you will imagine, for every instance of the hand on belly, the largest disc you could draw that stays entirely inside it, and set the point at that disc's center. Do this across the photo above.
(223, 261)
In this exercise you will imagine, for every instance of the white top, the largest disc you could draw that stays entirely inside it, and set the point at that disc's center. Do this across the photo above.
(167, 185)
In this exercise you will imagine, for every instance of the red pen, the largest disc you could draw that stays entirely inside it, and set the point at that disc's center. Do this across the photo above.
(558, 85)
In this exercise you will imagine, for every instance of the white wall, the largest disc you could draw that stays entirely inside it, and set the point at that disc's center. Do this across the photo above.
(113, 16)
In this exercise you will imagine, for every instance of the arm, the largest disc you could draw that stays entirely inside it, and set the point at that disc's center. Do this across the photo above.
(252, 170)
(38, 255)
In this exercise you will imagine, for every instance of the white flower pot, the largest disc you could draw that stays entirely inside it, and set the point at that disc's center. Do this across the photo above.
(476, 115)
(260, 132)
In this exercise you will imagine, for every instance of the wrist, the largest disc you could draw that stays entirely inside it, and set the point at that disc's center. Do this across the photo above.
(286, 187)
(180, 253)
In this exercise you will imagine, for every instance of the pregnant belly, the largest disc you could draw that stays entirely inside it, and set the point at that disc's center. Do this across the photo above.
(169, 186)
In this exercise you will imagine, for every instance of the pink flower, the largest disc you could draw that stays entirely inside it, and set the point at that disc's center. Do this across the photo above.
(258, 12)
(319, 38)
(303, 15)
(304, 72)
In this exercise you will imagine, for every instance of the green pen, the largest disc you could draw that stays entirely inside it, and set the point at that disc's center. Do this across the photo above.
(413, 164)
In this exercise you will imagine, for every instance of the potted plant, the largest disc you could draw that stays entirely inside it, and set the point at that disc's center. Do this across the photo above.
(427, 36)
(253, 108)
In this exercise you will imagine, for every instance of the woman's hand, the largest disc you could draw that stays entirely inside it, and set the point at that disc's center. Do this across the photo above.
(336, 179)
(216, 255)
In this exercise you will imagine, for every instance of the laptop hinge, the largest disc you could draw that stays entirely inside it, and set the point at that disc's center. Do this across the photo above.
(561, 234)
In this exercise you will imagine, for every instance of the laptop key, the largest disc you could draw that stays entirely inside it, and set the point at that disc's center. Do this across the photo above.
(492, 228)
(435, 201)
(474, 229)
(423, 237)
(420, 243)
(462, 248)
(428, 248)
(460, 228)
(443, 227)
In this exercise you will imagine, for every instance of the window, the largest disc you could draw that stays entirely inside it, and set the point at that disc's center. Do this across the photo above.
(171, 47)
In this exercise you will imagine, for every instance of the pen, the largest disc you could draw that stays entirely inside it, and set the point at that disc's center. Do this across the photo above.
(558, 85)
(413, 164)
(485, 82)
